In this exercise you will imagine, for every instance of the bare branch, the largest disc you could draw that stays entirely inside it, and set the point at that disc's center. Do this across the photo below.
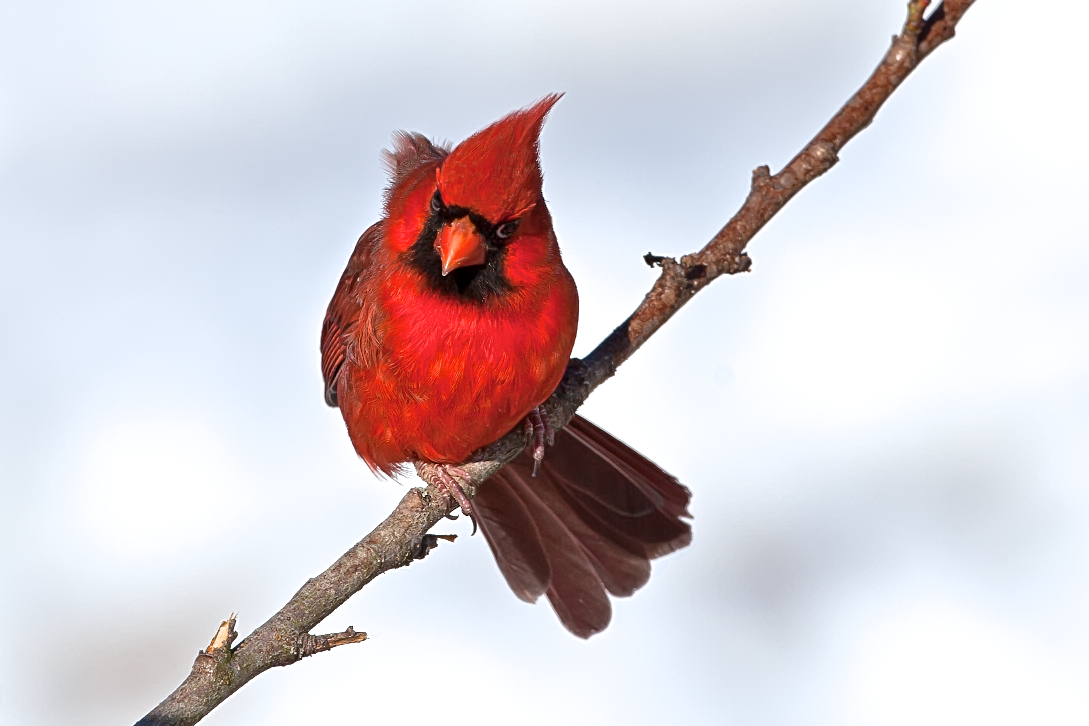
(402, 537)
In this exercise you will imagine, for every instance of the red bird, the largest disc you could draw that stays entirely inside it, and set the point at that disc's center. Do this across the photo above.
(452, 323)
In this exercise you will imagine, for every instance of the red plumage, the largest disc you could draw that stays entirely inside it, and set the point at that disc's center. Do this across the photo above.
(455, 319)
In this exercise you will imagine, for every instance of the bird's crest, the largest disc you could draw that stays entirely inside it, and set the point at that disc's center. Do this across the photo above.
(410, 152)
(496, 171)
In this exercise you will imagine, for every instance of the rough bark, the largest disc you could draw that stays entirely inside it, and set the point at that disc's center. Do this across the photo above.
(285, 638)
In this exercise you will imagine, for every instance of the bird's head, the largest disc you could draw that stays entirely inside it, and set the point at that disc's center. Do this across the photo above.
(473, 220)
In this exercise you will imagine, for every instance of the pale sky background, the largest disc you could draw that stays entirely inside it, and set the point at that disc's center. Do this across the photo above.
(885, 425)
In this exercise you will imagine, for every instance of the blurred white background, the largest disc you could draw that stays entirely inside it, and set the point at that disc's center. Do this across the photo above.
(885, 425)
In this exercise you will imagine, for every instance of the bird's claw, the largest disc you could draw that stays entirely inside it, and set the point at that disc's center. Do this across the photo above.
(452, 489)
(538, 431)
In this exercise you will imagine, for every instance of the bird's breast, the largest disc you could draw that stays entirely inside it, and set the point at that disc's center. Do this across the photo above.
(452, 376)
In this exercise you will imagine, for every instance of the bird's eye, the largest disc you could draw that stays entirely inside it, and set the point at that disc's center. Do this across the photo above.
(507, 229)
(436, 202)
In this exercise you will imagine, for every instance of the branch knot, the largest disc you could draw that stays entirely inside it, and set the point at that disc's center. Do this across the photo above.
(220, 647)
(307, 645)
(654, 260)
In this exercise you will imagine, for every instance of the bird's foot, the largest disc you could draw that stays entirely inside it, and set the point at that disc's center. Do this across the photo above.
(444, 478)
(538, 431)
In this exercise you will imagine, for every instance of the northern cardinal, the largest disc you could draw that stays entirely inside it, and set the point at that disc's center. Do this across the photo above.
(452, 323)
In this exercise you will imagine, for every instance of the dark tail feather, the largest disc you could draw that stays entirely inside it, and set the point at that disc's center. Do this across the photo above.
(514, 537)
(588, 524)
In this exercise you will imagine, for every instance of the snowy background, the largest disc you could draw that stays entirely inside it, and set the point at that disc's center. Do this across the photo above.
(886, 424)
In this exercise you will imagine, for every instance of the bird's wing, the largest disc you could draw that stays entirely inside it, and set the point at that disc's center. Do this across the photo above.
(588, 525)
(348, 309)
(351, 314)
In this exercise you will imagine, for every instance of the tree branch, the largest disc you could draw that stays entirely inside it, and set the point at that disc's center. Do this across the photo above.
(285, 638)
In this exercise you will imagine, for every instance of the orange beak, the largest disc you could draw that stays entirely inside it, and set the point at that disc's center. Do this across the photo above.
(459, 245)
